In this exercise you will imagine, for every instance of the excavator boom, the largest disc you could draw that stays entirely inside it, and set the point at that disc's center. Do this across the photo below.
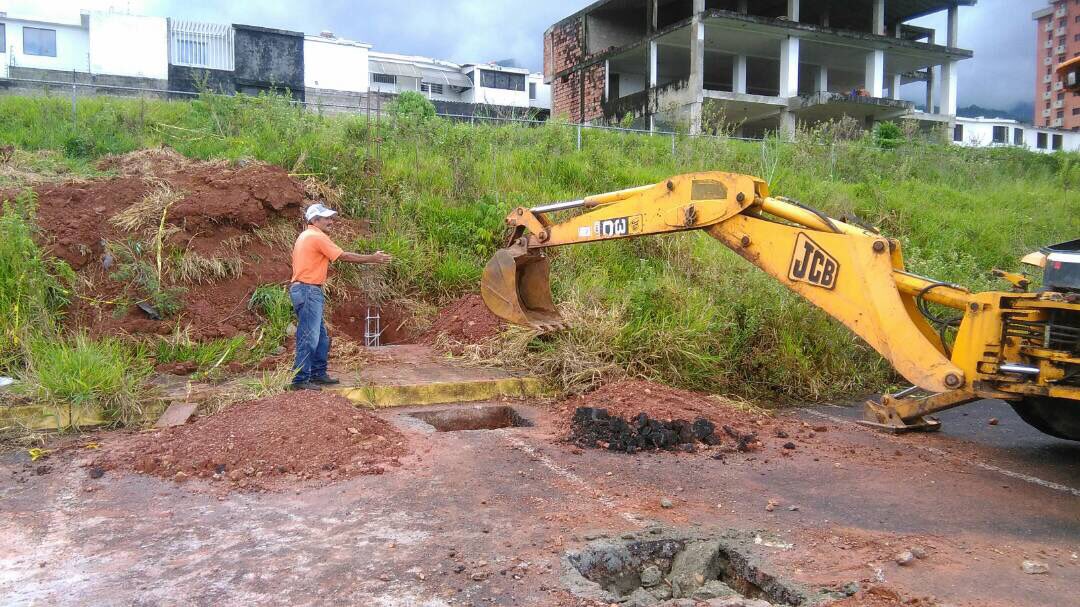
(849, 270)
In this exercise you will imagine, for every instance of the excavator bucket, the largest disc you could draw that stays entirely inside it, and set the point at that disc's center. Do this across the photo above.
(516, 288)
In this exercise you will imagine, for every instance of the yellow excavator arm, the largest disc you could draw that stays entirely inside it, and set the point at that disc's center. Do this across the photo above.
(849, 270)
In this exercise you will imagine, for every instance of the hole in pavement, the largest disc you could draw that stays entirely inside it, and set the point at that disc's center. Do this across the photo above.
(472, 418)
(642, 571)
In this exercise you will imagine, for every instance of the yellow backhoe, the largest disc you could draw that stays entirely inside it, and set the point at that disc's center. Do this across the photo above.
(1019, 346)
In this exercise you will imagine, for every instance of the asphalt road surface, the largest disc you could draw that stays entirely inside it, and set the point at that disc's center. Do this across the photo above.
(1010, 444)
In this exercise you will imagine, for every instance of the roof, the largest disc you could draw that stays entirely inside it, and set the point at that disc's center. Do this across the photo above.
(409, 69)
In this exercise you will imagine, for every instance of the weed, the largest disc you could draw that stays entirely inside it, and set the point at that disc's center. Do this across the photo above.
(273, 303)
(208, 356)
(148, 212)
(65, 374)
(191, 267)
(143, 278)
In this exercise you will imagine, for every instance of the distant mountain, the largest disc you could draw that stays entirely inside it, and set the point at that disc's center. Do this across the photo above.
(1022, 112)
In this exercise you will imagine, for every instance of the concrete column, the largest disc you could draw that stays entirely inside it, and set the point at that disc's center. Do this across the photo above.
(607, 80)
(948, 89)
(897, 30)
(878, 25)
(699, 7)
(789, 67)
(875, 73)
(793, 10)
(825, 16)
(652, 14)
(787, 124)
(894, 88)
(953, 26)
(742, 7)
(931, 96)
(822, 81)
(697, 67)
(653, 73)
(738, 74)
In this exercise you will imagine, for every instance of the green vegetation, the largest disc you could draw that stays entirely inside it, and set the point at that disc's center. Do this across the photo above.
(681, 309)
(78, 371)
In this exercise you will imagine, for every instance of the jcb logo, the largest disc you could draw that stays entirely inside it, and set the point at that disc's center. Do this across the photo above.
(810, 263)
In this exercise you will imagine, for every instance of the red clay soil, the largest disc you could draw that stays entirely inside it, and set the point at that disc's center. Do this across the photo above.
(298, 437)
(348, 317)
(466, 321)
(220, 207)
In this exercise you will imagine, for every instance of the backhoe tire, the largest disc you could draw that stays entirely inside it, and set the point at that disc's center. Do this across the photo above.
(1058, 417)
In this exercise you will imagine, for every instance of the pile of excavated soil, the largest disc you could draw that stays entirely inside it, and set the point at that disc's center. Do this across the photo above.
(217, 212)
(466, 320)
(628, 398)
(297, 437)
(597, 428)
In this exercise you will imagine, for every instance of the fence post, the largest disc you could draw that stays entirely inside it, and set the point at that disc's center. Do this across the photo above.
(579, 137)
(74, 103)
(673, 144)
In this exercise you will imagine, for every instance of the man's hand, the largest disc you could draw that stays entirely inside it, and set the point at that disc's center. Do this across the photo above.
(377, 258)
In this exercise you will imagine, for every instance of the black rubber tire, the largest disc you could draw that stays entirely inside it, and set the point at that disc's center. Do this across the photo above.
(1058, 417)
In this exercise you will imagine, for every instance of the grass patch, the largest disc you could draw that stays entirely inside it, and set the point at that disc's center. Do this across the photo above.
(80, 372)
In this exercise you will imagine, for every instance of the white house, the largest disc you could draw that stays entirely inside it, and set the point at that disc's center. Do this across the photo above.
(52, 45)
(113, 36)
(335, 64)
(438, 80)
(539, 91)
(497, 85)
(1001, 132)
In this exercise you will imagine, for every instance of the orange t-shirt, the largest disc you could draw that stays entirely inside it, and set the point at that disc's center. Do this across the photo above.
(311, 256)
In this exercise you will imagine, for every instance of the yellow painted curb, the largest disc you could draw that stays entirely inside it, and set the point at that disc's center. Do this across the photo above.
(43, 417)
(382, 396)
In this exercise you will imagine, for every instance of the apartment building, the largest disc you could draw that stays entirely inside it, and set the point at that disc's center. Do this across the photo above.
(762, 65)
(1057, 38)
(176, 56)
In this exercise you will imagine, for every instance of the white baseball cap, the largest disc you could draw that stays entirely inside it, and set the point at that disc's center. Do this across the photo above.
(318, 210)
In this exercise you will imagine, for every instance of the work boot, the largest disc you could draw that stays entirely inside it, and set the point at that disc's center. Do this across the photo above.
(304, 385)
(325, 380)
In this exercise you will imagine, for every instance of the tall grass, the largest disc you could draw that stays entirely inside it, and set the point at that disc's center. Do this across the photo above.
(681, 308)
(33, 288)
(78, 371)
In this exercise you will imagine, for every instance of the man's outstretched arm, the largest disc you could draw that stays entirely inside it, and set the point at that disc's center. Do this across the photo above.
(376, 258)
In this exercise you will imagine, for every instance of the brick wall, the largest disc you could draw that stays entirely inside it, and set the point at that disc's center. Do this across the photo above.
(594, 92)
(564, 49)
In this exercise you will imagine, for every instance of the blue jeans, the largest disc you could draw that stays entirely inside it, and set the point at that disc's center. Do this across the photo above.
(312, 341)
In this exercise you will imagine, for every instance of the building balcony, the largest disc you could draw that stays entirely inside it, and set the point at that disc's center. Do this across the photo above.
(1048, 61)
(1058, 86)
(1048, 44)
(1061, 49)
(1046, 95)
(1047, 79)
(1059, 104)
(1059, 122)
(1046, 113)
(1061, 12)
(1060, 31)
(1049, 27)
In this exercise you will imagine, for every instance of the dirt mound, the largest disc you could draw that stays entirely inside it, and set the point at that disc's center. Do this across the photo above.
(298, 437)
(630, 398)
(466, 320)
(227, 229)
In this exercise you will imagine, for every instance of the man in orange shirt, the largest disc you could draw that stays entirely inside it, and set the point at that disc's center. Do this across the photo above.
(311, 256)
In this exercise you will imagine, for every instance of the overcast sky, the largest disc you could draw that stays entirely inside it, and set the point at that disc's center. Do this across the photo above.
(1000, 32)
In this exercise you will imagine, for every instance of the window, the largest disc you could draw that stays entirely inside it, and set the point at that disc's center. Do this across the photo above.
(3, 38)
(502, 80)
(383, 78)
(1076, 37)
(532, 90)
(1076, 111)
(958, 133)
(191, 52)
(1061, 113)
(1048, 88)
(1040, 141)
(1000, 132)
(1061, 96)
(1058, 140)
(1018, 136)
(40, 42)
(1047, 105)
(431, 87)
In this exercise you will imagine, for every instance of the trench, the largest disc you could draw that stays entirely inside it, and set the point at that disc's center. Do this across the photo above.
(472, 418)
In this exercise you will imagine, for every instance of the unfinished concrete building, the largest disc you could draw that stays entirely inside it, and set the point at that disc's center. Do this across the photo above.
(757, 65)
